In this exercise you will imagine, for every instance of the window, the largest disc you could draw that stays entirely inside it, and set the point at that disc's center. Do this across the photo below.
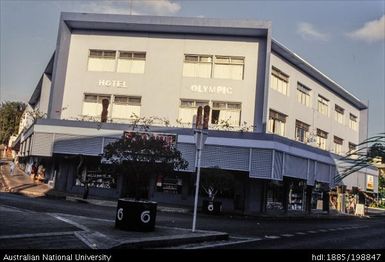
(301, 131)
(277, 123)
(188, 110)
(93, 104)
(352, 147)
(353, 122)
(352, 150)
(323, 105)
(338, 145)
(101, 60)
(339, 114)
(226, 113)
(279, 81)
(209, 66)
(197, 66)
(125, 107)
(321, 139)
(131, 62)
(303, 94)
(229, 67)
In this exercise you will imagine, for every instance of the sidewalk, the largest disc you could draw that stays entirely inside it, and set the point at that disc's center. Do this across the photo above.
(100, 233)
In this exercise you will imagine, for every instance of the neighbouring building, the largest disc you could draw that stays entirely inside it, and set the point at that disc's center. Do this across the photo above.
(277, 124)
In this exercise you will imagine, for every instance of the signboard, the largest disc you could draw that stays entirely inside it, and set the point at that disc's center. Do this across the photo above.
(369, 182)
(112, 83)
(360, 210)
(170, 139)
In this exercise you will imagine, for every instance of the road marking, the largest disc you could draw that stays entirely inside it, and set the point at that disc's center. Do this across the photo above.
(84, 228)
(312, 231)
(332, 229)
(39, 235)
(226, 244)
(323, 230)
(287, 235)
(300, 233)
(272, 237)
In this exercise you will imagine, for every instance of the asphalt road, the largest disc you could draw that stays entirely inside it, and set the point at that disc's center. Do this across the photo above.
(31, 216)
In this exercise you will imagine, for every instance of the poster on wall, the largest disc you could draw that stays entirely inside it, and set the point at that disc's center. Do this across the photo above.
(369, 182)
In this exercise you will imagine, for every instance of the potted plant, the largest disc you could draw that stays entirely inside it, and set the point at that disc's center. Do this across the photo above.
(138, 156)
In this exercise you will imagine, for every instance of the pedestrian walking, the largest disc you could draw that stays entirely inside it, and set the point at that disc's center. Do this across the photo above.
(11, 168)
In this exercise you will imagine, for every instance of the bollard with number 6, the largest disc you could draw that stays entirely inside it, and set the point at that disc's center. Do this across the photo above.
(135, 215)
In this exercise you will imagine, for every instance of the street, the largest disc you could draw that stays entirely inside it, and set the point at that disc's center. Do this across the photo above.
(49, 223)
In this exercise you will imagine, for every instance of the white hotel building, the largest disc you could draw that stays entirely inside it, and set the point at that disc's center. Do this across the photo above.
(277, 124)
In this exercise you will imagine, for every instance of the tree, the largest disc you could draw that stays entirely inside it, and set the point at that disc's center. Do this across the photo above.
(10, 114)
(138, 155)
(367, 153)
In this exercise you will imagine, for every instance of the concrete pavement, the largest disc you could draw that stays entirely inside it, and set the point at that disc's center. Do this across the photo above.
(94, 233)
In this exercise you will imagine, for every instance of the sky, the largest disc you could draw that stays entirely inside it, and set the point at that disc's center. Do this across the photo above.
(343, 39)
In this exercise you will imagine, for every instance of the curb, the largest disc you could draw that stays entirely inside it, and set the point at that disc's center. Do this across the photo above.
(166, 241)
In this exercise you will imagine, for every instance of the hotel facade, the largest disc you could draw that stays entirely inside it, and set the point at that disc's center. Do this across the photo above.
(277, 124)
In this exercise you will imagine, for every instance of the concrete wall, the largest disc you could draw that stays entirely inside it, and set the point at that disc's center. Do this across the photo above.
(162, 85)
(296, 111)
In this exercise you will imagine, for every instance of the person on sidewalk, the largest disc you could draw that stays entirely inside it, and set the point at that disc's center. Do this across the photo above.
(11, 168)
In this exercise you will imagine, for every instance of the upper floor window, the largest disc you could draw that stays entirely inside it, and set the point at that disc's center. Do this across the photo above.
(95, 105)
(339, 114)
(229, 67)
(131, 62)
(125, 107)
(279, 81)
(209, 66)
(323, 105)
(303, 94)
(352, 147)
(126, 62)
(101, 60)
(301, 131)
(188, 110)
(277, 122)
(197, 66)
(322, 136)
(353, 122)
(227, 113)
(338, 145)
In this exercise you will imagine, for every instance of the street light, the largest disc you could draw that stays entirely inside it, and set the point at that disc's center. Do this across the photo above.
(200, 137)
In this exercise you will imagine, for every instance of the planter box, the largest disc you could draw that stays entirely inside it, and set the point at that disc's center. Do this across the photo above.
(212, 207)
(135, 215)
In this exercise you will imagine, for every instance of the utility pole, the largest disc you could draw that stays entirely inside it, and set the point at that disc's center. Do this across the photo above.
(200, 137)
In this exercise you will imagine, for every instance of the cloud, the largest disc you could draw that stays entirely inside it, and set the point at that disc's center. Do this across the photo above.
(129, 7)
(308, 32)
(372, 31)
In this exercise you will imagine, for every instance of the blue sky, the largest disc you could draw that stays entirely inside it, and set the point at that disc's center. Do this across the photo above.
(343, 39)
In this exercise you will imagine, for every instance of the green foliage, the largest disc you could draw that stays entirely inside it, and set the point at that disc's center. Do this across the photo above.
(10, 114)
(140, 156)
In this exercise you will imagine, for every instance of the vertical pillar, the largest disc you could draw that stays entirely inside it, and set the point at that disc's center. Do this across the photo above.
(285, 194)
(309, 192)
(325, 199)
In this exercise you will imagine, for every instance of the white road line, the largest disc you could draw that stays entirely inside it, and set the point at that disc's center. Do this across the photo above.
(287, 235)
(323, 230)
(84, 228)
(272, 237)
(226, 244)
(312, 231)
(39, 235)
(300, 233)
(332, 229)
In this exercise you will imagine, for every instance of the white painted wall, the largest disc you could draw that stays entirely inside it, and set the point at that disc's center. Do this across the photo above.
(162, 85)
(290, 106)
